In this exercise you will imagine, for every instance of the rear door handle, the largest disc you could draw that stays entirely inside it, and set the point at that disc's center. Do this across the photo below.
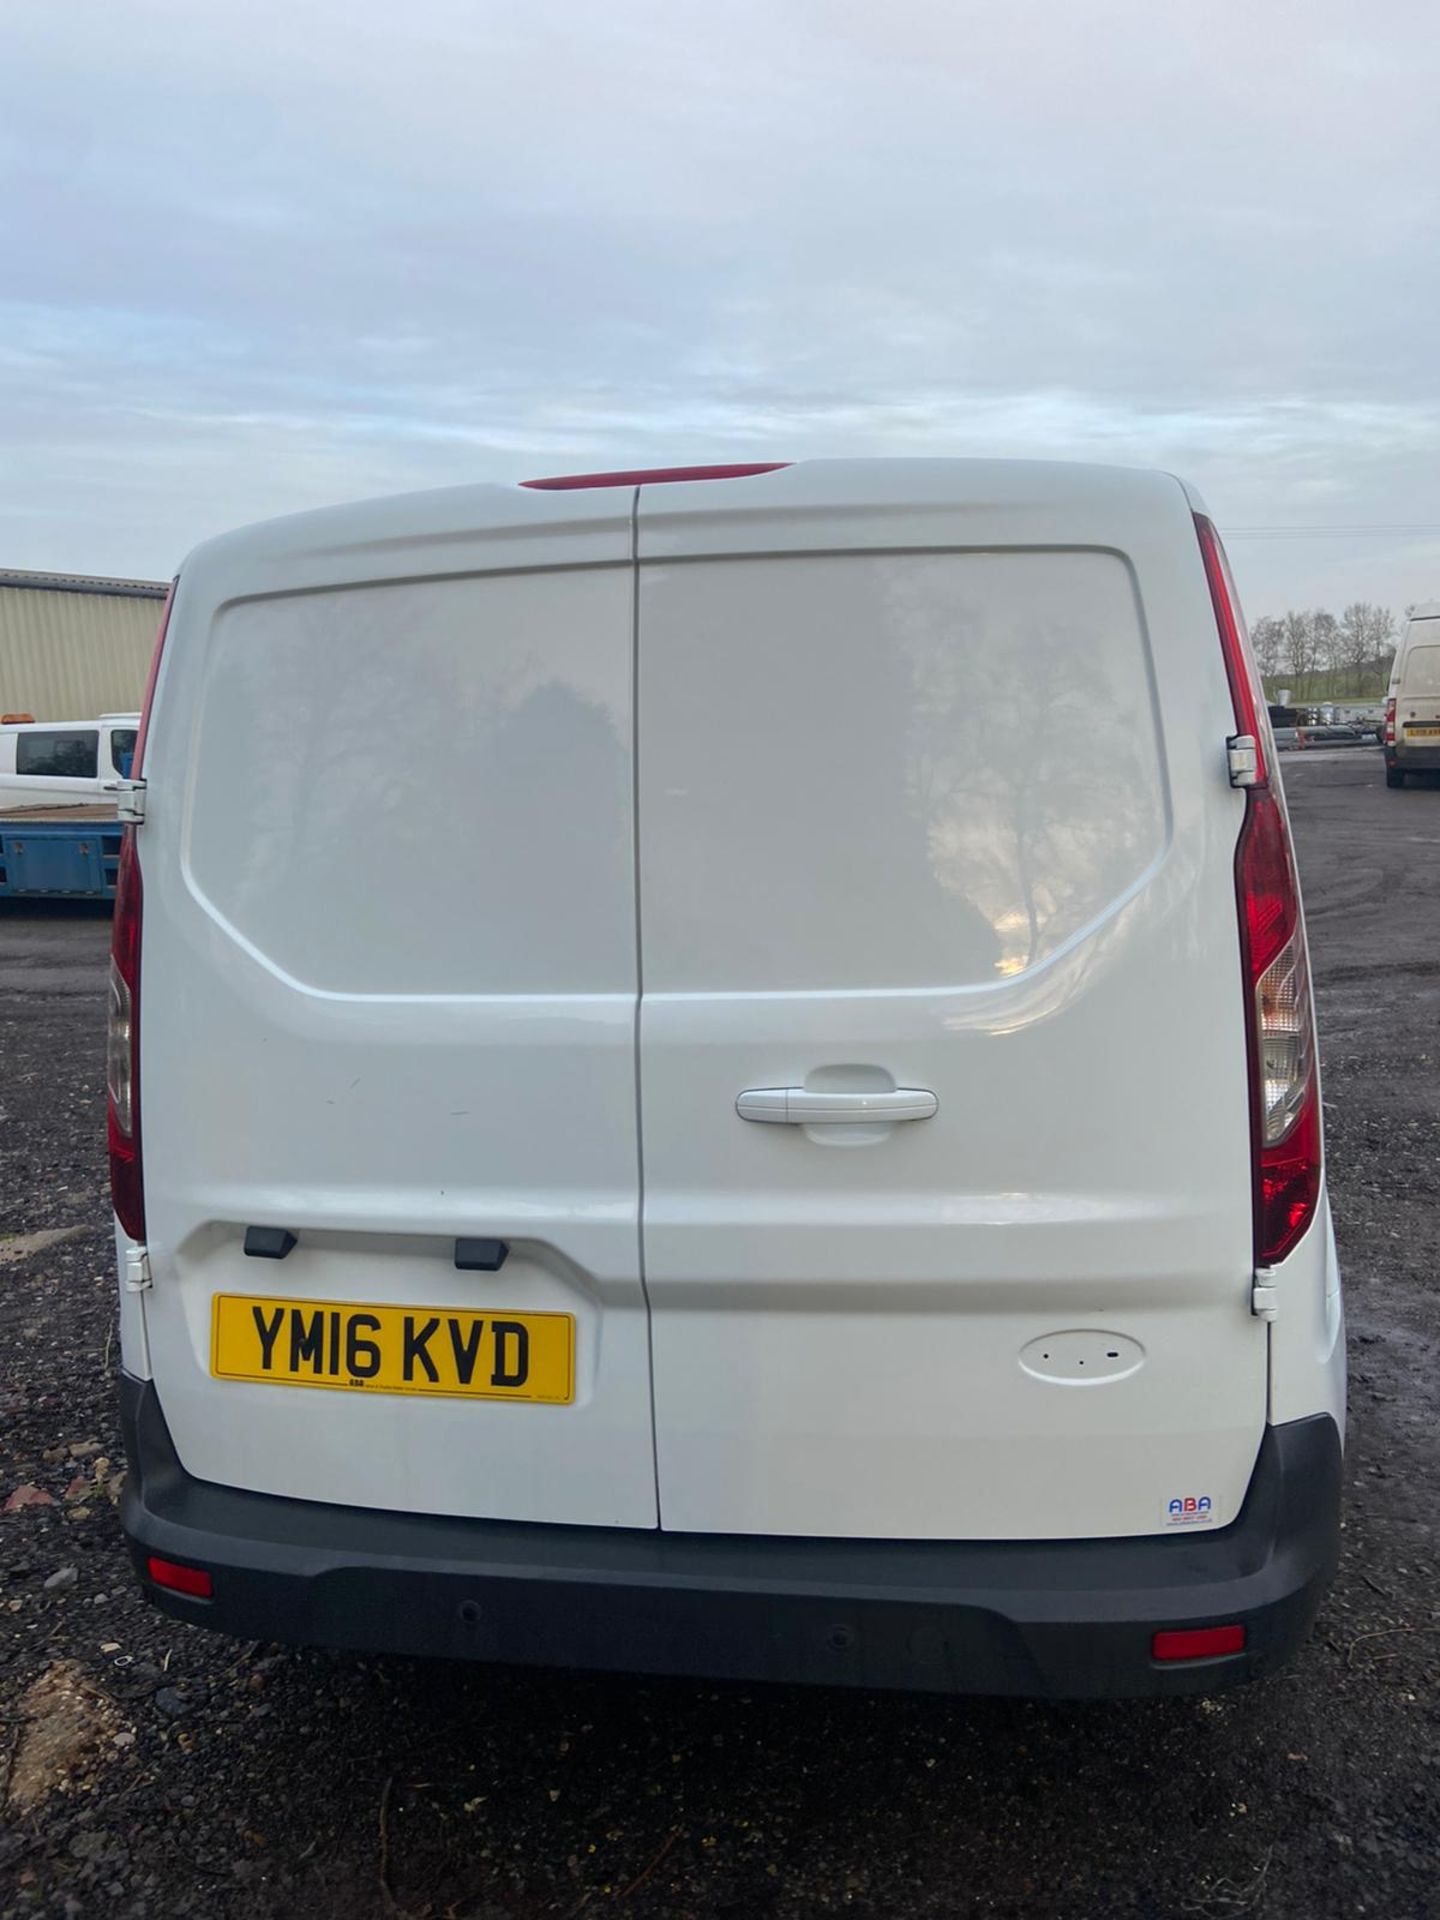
(799, 1107)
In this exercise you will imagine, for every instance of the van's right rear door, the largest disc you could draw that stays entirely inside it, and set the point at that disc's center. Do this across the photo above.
(1417, 704)
(934, 811)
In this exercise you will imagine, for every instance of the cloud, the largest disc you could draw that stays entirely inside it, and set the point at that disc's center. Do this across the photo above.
(259, 258)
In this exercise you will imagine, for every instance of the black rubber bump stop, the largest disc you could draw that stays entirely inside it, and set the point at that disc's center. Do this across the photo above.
(480, 1256)
(268, 1243)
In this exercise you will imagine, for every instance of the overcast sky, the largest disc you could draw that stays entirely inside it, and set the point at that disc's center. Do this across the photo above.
(262, 257)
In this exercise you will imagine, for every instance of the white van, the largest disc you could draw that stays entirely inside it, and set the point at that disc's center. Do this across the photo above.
(1412, 706)
(57, 763)
(739, 1097)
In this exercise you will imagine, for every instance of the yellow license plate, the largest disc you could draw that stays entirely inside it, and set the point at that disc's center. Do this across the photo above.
(439, 1350)
(1427, 733)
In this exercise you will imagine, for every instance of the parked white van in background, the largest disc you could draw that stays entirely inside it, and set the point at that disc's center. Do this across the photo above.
(1412, 707)
(740, 1098)
(58, 763)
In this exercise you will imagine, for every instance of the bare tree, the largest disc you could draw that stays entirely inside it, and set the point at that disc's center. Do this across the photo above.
(1298, 648)
(1325, 640)
(1300, 644)
(1268, 639)
(1367, 635)
(1383, 635)
(1355, 639)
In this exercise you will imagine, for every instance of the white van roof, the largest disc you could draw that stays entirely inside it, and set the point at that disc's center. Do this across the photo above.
(456, 523)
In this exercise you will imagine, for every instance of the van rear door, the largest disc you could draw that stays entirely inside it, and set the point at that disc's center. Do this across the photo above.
(1417, 706)
(388, 1002)
(937, 882)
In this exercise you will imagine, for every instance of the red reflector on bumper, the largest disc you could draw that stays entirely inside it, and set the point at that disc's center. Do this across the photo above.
(192, 1580)
(1197, 1643)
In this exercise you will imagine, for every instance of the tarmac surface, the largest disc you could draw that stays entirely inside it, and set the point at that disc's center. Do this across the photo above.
(151, 1769)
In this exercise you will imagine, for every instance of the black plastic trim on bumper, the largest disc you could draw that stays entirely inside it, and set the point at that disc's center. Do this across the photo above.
(1048, 1618)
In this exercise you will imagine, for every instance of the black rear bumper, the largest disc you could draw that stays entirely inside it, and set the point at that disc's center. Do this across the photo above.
(1070, 1618)
(1414, 759)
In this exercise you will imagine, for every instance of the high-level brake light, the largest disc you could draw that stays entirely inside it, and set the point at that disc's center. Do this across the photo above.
(652, 476)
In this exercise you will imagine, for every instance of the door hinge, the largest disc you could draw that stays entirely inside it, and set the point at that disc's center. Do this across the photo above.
(1264, 1297)
(1242, 755)
(130, 802)
(137, 1269)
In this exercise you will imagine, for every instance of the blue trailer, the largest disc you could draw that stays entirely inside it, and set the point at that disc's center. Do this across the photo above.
(60, 853)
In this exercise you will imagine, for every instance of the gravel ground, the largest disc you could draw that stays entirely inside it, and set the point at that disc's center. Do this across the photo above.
(153, 1769)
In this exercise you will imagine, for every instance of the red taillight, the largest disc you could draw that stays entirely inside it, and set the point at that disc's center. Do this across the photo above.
(122, 1051)
(1285, 1095)
(122, 1059)
(1197, 1643)
(1390, 722)
(1284, 1082)
(652, 476)
(154, 674)
(170, 1574)
(1247, 694)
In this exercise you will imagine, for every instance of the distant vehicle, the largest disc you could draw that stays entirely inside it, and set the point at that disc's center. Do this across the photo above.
(908, 836)
(50, 763)
(60, 781)
(1412, 709)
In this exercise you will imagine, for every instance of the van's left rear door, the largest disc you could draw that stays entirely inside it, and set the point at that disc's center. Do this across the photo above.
(388, 1000)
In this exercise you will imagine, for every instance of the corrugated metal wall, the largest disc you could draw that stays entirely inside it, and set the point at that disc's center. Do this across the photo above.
(67, 655)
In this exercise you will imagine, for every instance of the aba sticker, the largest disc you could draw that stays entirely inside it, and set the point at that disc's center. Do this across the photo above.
(1194, 1510)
